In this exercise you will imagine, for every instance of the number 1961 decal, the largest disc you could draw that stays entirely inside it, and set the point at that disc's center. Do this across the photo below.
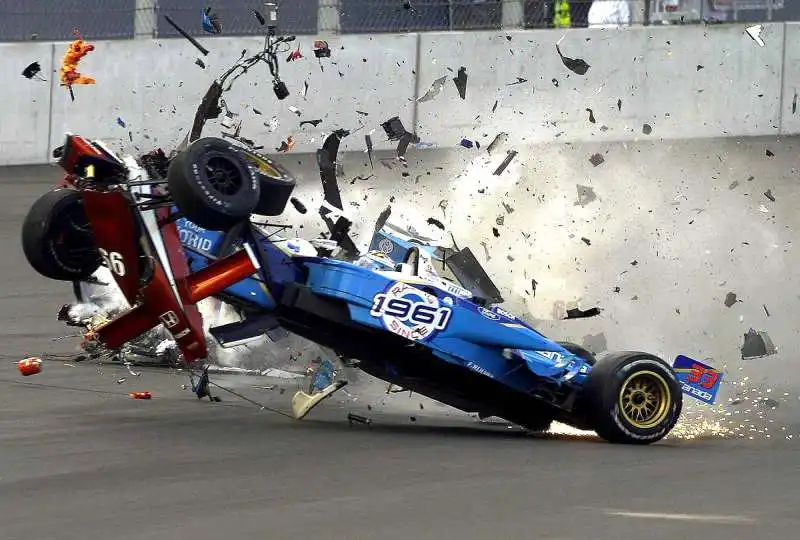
(410, 312)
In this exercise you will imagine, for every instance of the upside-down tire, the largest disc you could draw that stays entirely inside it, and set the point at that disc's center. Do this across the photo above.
(213, 184)
(276, 184)
(57, 238)
(632, 398)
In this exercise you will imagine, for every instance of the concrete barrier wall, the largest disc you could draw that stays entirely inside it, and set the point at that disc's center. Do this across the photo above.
(683, 81)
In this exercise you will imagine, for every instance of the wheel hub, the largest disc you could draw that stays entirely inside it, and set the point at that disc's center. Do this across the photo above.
(644, 399)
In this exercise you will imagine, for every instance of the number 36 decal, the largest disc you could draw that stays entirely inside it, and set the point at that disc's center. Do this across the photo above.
(113, 260)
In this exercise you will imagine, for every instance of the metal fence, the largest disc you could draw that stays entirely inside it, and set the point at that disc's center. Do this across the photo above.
(50, 20)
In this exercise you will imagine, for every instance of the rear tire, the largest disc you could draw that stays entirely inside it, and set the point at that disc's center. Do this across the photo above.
(276, 184)
(213, 184)
(57, 238)
(632, 398)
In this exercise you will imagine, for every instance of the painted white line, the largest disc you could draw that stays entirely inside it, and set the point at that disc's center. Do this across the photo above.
(705, 518)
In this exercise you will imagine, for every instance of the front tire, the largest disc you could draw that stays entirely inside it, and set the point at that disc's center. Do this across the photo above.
(632, 398)
(213, 184)
(57, 238)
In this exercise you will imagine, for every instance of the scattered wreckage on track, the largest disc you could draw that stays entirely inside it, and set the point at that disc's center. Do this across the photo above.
(175, 230)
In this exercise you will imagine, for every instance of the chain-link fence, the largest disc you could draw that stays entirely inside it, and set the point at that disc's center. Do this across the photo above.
(49, 20)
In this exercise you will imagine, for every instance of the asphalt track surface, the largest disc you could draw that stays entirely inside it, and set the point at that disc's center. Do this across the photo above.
(81, 460)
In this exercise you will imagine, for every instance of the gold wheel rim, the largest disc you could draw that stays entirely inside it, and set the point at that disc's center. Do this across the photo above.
(264, 166)
(644, 399)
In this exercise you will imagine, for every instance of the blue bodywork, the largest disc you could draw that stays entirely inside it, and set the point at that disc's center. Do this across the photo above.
(484, 339)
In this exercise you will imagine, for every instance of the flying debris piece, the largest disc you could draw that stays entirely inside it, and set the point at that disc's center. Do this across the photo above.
(321, 49)
(768, 194)
(730, 299)
(555, 82)
(534, 284)
(466, 143)
(121, 122)
(586, 195)
(141, 395)
(436, 223)
(383, 217)
(30, 366)
(619, 105)
(794, 104)
(434, 90)
(358, 419)
(461, 82)
(314, 123)
(259, 17)
(494, 107)
(200, 63)
(697, 379)
(769, 153)
(519, 80)
(576, 65)
(597, 160)
(185, 34)
(757, 345)
(286, 145)
(591, 116)
(69, 65)
(294, 55)
(299, 206)
(755, 33)
(211, 23)
(576, 313)
(586, 241)
(506, 162)
(368, 142)
(499, 140)
(295, 110)
(32, 71)
(647, 129)
(397, 132)
(304, 93)
(766, 311)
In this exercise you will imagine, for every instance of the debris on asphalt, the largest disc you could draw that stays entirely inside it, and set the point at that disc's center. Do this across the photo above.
(647, 129)
(186, 35)
(121, 380)
(730, 299)
(597, 159)
(757, 344)
(211, 22)
(434, 90)
(314, 123)
(30, 366)
(34, 69)
(141, 395)
(358, 419)
(461, 82)
(299, 206)
(576, 313)
(506, 162)
(129, 367)
(586, 195)
(576, 65)
(755, 33)
(768, 194)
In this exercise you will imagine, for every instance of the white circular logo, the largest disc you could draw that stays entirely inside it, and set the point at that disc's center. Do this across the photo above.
(410, 312)
(386, 246)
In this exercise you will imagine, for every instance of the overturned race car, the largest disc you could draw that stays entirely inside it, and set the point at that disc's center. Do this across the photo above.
(400, 318)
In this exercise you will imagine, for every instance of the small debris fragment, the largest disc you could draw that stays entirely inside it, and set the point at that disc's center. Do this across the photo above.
(586, 241)
(576, 65)
(576, 313)
(434, 90)
(211, 23)
(755, 33)
(730, 299)
(200, 63)
(295, 110)
(699, 67)
(768, 194)
(30, 366)
(122, 380)
(368, 141)
(321, 49)
(794, 103)
(141, 395)
(766, 311)
(769, 153)
(597, 159)
(506, 162)
(499, 140)
(314, 123)
(461, 82)
(495, 232)
(299, 206)
(286, 145)
(121, 122)
(586, 195)
(413, 418)
(259, 17)
(32, 71)
(186, 35)
(647, 129)
(466, 143)
(555, 82)
(519, 80)
(757, 345)
(591, 116)
(619, 105)
(358, 419)
(436, 223)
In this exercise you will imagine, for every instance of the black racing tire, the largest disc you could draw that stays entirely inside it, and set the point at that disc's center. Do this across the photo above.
(57, 238)
(577, 350)
(276, 183)
(213, 184)
(618, 390)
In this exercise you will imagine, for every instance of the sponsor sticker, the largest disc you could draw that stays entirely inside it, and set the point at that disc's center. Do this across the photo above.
(409, 312)
(489, 314)
(386, 246)
(697, 379)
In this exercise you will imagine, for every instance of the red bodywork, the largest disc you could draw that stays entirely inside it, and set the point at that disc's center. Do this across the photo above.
(119, 231)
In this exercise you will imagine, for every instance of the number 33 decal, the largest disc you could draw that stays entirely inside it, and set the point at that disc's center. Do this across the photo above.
(706, 377)
(113, 261)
